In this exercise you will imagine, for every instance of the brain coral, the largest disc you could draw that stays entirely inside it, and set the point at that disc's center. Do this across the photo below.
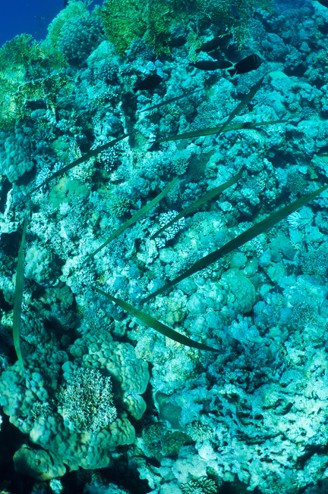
(239, 290)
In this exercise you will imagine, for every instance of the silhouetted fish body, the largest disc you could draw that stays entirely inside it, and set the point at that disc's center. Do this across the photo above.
(247, 64)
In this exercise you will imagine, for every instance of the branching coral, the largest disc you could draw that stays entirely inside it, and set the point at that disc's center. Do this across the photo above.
(153, 22)
(24, 76)
(129, 20)
(86, 401)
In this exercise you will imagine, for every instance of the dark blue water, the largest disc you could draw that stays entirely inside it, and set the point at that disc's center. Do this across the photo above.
(27, 16)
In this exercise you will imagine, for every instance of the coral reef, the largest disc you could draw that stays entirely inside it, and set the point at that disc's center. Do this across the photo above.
(158, 22)
(92, 165)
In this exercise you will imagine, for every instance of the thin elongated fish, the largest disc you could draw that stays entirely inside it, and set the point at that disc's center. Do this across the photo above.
(244, 102)
(241, 239)
(210, 195)
(155, 324)
(137, 216)
(18, 296)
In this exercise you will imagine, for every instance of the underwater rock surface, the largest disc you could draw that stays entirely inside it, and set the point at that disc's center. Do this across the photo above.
(97, 391)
